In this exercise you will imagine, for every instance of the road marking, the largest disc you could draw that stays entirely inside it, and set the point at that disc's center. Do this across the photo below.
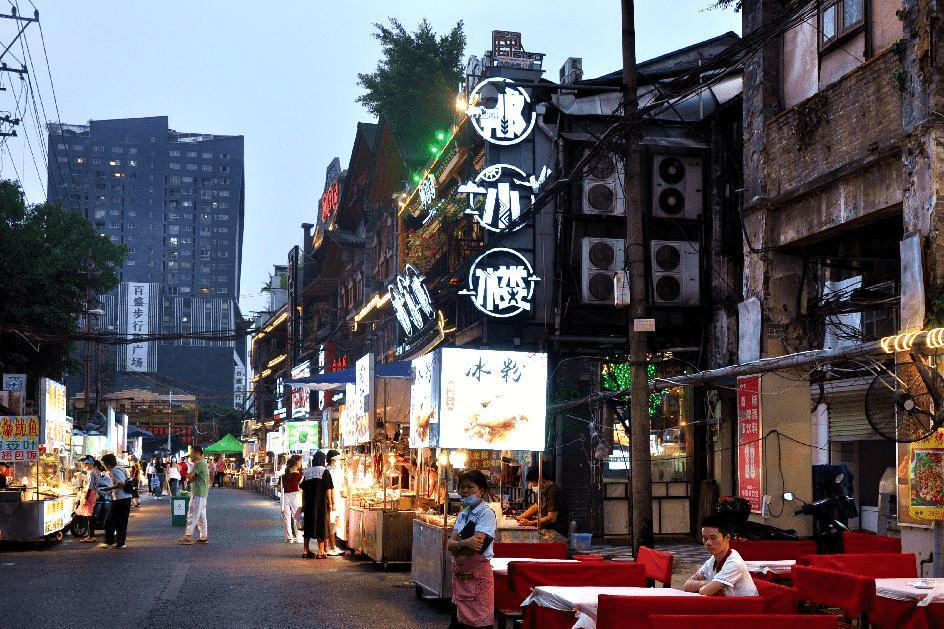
(175, 582)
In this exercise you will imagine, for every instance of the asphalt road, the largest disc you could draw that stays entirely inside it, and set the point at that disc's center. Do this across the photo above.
(245, 577)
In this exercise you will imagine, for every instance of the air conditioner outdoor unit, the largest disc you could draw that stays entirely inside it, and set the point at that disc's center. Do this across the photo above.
(603, 186)
(676, 186)
(600, 260)
(675, 272)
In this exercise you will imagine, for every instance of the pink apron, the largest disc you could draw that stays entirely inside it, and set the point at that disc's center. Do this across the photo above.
(473, 590)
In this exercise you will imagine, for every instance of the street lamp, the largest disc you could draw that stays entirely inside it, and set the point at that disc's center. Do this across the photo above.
(97, 312)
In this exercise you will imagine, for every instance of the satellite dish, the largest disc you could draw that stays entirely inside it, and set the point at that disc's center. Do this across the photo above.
(906, 404)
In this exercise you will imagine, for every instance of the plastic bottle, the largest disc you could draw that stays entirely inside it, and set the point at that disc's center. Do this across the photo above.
(573, 530)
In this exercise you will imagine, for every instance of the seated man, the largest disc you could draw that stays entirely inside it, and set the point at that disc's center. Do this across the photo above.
(725, 573)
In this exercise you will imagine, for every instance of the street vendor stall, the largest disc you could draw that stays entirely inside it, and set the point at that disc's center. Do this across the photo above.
(39, 496)
(471, 406)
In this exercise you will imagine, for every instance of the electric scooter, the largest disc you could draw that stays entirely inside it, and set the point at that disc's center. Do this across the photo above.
(79, 525)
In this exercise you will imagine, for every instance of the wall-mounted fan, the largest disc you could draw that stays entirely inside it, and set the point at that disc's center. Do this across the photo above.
(906, 403)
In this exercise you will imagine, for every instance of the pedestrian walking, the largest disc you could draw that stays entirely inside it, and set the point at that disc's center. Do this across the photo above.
(220, 472)
(317, 502)
(116, 521)
(151, 475)
(332, 544)
(134, 470)
(159, 472)
(184, 470)
(291, 499)
(87, 507)
(199, 479)
(173, 477)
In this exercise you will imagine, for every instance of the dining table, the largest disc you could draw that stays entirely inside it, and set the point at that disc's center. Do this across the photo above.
(908, 603)
(505, 600)
(569, 607)
(774, 569)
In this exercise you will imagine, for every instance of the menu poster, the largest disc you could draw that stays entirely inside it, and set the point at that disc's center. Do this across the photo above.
(926, 478)
(302, 436)
(424, 414)
(750, 463)
(19, 438)
(347, 419)
(492, 400)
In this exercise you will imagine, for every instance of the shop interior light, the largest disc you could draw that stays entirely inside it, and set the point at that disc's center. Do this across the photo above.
(459, 458)
(443, 458)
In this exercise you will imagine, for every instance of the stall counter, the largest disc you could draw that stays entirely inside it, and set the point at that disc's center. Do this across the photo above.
(431, 571)
(384, 535)
(22, 520)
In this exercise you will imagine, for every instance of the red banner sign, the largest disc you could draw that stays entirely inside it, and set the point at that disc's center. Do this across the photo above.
(750, 447)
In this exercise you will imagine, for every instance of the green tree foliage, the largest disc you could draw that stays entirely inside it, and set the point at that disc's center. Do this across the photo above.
(43, 253)
(415, 83)
(728, 4)
(228, 419)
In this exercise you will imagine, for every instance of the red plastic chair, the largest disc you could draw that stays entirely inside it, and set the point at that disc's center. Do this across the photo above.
(778, 599)
(857, 542)
(658, 565)
(853, 595)
(876, 566)
(771, 550)
(531, 550)
(633, 612)
(744, 621)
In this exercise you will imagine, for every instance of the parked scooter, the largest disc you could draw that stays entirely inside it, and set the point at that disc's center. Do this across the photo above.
(828, 523)
(79, 525)
(737, 510)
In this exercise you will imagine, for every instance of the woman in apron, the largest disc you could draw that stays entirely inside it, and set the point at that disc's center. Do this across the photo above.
(473, 587)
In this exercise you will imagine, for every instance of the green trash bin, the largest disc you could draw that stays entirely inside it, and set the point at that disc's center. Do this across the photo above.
(179, 505)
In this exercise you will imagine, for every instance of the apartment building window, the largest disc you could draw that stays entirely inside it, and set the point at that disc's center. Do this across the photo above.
(175, 153)
(79, 160)
(207, 168)
(187, 179)
(117, 149)
(132, 150)
(78, 147)
(207, 155)
(191, 153)
(838, 18)
(191, 166)
(174, 166)
(99, 149)
(62, 159)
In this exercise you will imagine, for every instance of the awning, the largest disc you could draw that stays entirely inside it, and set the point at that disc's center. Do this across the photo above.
(335, 380)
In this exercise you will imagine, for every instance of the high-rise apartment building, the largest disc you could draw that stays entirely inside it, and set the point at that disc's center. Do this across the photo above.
(176, 200)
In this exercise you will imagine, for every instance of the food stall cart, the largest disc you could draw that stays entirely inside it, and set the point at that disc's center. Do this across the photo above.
(465, 402)
(39, 498)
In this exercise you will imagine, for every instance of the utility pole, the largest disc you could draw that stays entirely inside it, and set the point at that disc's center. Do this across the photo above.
(89, 273)
(636, 266)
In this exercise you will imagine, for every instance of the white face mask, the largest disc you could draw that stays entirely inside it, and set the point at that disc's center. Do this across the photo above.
(470, 501)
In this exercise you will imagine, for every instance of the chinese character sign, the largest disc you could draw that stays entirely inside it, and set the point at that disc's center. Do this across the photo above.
(424, 397)
(492, 400)
(137, 315)
(411, 301)
(363, 401)
(501, 283)
(926, 478)
(347, 422)
(505, 192)
(750, 461)
(19, 438)
(56, 428)
(501, 111)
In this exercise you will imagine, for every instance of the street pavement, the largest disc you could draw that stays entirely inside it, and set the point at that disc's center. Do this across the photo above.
(246, 577)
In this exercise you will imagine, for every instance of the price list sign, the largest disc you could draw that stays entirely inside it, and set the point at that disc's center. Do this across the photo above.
(749, 443)
(19, 438)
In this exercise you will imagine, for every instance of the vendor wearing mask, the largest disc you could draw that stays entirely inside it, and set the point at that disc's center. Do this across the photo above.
(548, 516)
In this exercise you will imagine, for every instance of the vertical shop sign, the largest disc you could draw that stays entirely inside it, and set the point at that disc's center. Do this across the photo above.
(750, 462)
(363, 402)
(137, 355)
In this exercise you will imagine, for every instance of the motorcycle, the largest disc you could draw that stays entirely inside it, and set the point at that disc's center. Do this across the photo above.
(737, 510)
(828, 523)
(79, 525)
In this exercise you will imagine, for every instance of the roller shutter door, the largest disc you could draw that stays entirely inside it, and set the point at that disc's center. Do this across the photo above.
(847, 420)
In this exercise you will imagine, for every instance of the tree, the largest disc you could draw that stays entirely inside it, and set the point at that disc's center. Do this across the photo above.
(415, 83)
(44, 250)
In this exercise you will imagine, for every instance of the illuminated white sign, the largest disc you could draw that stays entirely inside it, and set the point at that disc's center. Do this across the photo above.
(501, 283)
(427, 190)
(411, 301)
(507, 190)
(492, 400)
(424, 398)
(301, 436)
(502, 112)
(137, 354)
(300, 395)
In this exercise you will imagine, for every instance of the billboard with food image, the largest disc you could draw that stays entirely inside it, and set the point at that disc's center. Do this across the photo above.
(492, 400)
(424, 396)
(926, 478)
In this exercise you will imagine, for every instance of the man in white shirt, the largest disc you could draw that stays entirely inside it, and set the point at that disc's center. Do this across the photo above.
(725, 573)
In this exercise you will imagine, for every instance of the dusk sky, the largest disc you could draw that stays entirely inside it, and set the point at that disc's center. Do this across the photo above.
(282, 75)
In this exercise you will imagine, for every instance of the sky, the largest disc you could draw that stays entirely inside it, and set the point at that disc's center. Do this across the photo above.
(283, 75)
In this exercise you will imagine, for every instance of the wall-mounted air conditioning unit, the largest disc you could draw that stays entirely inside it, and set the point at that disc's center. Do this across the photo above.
(600, 260)
(675, 272)
(603, 186)
(677, 186)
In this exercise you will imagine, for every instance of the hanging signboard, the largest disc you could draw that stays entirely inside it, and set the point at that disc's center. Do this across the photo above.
(750, 463)
(363, 400)
(19, 438)
(300, 395)
(501, 283)
(926, 478)
(501, 111)
(424, 397)
(493, 400)
(138, 354)
(505, 191)
(301, 436)
(347, 419)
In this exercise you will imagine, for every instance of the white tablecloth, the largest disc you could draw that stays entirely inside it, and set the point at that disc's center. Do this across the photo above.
(777, 566)
(902, 589)
(500, 564)
(583, 600)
